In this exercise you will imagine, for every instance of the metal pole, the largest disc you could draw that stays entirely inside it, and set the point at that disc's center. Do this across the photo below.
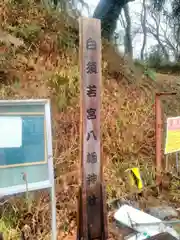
(53, 207)
(51, 174)
(177, 162)
(157, 223)
(167, 162)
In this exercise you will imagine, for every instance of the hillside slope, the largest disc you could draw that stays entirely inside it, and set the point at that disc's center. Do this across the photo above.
(42, 62)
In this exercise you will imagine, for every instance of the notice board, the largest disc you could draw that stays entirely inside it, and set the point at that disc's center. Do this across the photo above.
(25, 146)
(172, 135)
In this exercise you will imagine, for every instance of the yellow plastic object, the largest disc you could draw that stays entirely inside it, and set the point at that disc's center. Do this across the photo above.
(135, 177)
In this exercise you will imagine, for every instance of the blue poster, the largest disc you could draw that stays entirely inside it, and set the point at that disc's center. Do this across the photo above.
(32, 149)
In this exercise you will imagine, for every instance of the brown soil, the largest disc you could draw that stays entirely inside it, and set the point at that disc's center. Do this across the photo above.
(45, 67)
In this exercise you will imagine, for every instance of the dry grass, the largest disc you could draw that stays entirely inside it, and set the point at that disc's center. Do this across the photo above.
(45, 65)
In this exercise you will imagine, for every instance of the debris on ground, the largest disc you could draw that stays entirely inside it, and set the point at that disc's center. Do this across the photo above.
(163, 212)
(144, 225)
(162, 236)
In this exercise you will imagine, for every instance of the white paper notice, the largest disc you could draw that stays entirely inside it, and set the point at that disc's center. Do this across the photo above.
(10, 132)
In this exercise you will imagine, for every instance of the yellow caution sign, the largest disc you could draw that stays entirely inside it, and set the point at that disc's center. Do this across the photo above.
(135, 177)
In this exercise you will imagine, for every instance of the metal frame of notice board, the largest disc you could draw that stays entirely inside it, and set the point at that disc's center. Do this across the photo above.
(34, 186)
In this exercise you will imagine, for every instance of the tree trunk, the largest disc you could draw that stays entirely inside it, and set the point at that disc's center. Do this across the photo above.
(163, 48)
(128, 40)
(143, 24)
(165, 52)
(108, 12)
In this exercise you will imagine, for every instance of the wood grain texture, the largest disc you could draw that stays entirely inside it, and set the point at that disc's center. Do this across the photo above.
(90, 88)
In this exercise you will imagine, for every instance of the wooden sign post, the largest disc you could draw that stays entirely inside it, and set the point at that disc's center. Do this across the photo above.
(92, 217)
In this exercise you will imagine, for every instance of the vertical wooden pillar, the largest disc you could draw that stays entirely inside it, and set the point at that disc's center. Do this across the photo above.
(158, 115)
(91, 201)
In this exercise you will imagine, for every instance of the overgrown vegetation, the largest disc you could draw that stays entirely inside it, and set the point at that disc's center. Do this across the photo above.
(39, 58)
